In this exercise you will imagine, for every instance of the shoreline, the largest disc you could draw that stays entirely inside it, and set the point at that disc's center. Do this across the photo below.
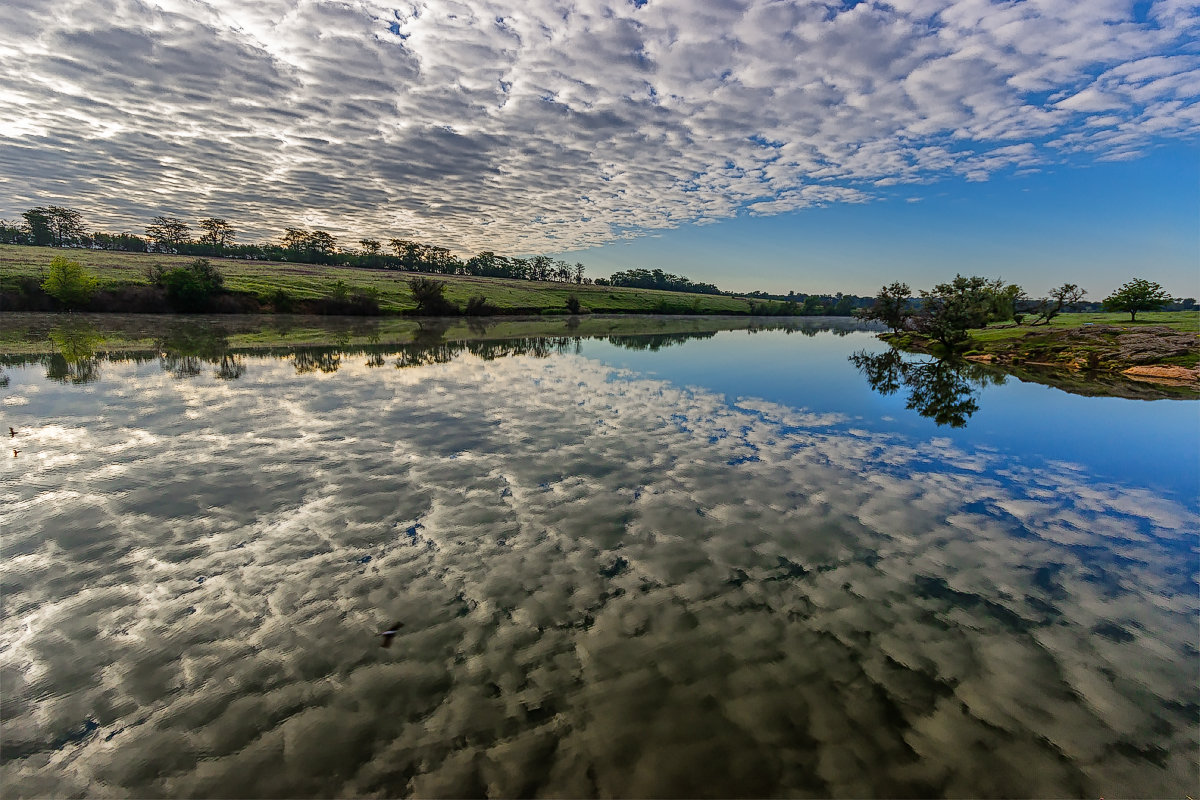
(1107, 360)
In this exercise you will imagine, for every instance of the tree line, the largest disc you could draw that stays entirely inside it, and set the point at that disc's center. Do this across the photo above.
(57, 226)
(947, 312)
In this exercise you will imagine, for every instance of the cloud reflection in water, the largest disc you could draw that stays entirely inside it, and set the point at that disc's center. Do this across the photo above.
(610, 585)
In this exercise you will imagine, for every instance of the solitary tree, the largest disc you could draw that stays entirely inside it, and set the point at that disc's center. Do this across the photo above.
(68, 282)
(217, 232)
(293, 239)
(431, 297)
(168, 232)
(1061, 297)
(891, 306)
(1137, 295)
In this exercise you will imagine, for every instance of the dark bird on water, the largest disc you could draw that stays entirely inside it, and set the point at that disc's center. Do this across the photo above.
(15, 453)
(11, 432)
(390, 634)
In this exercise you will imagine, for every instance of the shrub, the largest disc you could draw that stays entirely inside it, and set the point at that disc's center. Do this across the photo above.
(573, 304)
(69, 283)
(478, 306)
(431, 297)
(191, 287)
(281, 301)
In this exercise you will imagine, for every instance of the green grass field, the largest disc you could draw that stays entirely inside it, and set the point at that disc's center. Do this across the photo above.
(1186, 321)
(308, 281)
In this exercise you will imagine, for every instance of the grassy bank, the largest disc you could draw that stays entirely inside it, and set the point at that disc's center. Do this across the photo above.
(260, 281)
(1163, 345)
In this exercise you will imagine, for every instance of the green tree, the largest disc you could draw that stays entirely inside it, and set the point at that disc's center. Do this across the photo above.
(168, 233)
(891, 306)
(1061, 298)
(431, 297)
(573, 305)
(38, 222)
(218, 234)
(191, 287)
(950, 310)
(1137, 295)
(69, 283)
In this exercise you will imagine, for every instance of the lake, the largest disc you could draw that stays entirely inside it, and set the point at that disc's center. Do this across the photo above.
(657, 558)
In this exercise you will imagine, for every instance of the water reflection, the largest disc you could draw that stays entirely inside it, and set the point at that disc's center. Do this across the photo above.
(186, 347)
(943, 390)
(610, 585)
(76, 360)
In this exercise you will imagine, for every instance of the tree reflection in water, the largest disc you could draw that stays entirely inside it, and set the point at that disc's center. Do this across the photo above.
(940, 389)
(186, 347)
(76, 360)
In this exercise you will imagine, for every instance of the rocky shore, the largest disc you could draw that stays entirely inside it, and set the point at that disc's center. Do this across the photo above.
(1091, 359)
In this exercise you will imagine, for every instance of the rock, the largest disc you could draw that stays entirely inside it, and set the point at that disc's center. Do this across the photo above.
(1163, 374)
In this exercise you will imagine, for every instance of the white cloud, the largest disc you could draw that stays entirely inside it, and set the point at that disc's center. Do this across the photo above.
(589, 587)
(535, 126)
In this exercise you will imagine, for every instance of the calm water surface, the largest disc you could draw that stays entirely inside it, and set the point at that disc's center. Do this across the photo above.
(671, 566)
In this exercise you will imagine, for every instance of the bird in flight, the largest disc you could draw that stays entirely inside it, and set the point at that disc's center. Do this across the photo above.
(390, 634)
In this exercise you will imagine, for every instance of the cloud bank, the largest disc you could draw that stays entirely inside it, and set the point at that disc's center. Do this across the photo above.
(545, 126)
(610, 586)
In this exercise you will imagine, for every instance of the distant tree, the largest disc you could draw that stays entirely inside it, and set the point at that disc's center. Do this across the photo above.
(69, 283)
(218, 233)
(66, 226)
(1137, 295)
(11, 232)
(891, 306)
(1061, 298)
(125, 242)
(409, 253)
(168, 233)
(320, 245)
(573, 304)
(294, 239)
(578, 272)
(37, 220)
(430, 296)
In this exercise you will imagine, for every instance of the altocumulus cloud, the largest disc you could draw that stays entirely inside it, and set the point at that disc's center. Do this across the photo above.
(541, 126)
(611, 586)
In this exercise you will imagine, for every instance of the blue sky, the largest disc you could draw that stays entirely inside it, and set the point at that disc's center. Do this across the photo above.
(774, 144)
(1096, 224)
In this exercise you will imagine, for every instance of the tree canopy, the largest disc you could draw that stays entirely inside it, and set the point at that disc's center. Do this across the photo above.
(1137, 295)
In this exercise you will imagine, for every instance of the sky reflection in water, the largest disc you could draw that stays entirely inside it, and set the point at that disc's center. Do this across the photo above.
(611, 584)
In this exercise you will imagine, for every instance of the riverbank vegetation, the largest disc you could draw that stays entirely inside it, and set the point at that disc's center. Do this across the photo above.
(139, 282)
(215, 238)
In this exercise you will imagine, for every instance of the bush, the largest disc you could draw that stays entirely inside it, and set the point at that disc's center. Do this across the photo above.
(573, 305)
(69, 283)
(431, 297)
(189, 288)
(478, 306)
(282, 302)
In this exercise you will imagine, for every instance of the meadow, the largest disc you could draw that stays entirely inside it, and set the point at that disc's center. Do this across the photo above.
(262, 279)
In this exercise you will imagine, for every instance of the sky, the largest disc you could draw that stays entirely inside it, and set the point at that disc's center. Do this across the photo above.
(814, 146)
